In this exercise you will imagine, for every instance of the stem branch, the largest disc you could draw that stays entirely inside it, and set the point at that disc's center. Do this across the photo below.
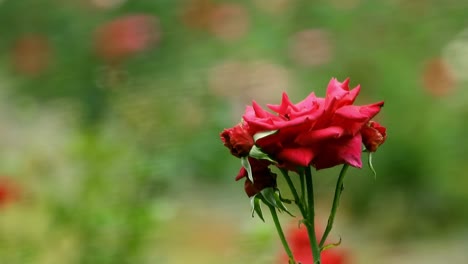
(297, 200)
(336, 202)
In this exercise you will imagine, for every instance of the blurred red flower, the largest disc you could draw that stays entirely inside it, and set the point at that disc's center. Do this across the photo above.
(9, 191)
(226, 21)
(298, 240)
(126, 36)
(31, 54)
(229, 21)
(438, 78)
(197, 13)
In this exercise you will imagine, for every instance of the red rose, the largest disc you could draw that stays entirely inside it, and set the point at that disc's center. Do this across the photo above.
(300, 247)
(323, 132)
(373, 135)
(262, 176)
(238, 140)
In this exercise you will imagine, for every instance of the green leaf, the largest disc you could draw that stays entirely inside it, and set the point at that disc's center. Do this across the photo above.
(369, 161)
(263, 134)
(246, 164)
(256, 152)
(256, 207)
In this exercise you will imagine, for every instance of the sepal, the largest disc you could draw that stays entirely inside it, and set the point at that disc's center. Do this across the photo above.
(273, 198)
(257, 153)
(263, 134)
(369, 161)
(246, 164)
(256, 206)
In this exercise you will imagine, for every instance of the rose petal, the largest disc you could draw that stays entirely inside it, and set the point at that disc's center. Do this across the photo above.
(242, 173)
(319, 135)
(345, 150)
(285, 107)
(338, 94)
(297, 156)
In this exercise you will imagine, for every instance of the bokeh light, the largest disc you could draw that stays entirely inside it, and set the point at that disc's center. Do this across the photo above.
(311, 47)
(126, 36)
(438, 79)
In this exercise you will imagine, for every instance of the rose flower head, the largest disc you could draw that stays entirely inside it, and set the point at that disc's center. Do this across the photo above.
(373, 135)
(322, 132)
(238, 140)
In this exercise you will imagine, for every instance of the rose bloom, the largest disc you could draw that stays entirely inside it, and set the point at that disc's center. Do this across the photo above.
(298, 240)
(262, 176)
(322, 132)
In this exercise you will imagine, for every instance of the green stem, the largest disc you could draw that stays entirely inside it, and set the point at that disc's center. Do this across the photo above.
(281, 234)
(336, 202)
(311, 216)
(297, 200)
(301, 177)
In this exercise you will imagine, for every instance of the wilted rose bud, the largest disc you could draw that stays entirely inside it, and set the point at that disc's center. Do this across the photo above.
(238, 140)
(262, 176)
(373, 135)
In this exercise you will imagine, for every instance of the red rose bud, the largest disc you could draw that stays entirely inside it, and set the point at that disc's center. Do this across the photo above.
(373, 135)
(262, 176)
(261, 181)
(237, 140)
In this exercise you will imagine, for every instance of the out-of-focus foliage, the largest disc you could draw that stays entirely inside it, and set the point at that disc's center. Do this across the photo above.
(110, 113)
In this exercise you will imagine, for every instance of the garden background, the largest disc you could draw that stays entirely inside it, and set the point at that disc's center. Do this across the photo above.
(110, 114)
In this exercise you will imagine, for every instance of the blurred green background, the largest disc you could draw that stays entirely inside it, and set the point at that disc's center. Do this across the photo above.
(110, 114)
